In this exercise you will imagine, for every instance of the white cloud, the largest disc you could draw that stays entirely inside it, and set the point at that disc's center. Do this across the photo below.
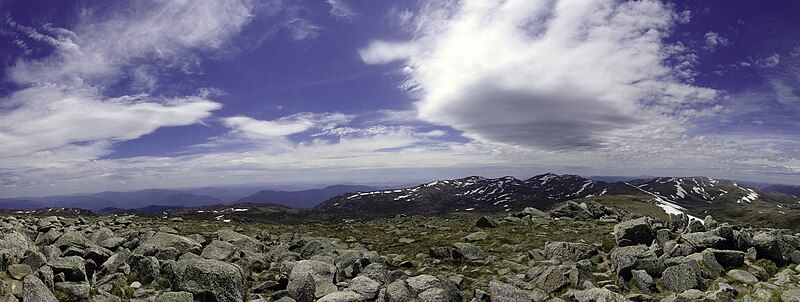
(284, 126)
(381, 52)
(65, 110)
(341, 11)
(575, 74)
(50, 118)
(251, 127)
(301, 29)
(769, 61)
(785, 93)
(105, 43)
(714, 40)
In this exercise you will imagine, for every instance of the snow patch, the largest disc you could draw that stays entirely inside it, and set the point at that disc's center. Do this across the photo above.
(681, 192)
(547, 177)
(750, 197)
(672, 208)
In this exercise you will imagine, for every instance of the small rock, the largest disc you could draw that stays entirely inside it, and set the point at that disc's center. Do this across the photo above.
(508, 293)
(742, 276)
(643, 281)
(477, 236)
(486, 222)
(19, 271)
(406, 240)
(691, 295)
(569, 250)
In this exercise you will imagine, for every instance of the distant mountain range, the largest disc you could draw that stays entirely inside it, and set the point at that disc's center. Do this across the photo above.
(476, 193)
(697, 196)
(155, 200)
(301, 199)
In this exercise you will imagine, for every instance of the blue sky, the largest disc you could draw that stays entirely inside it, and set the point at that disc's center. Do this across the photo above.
(123, 95)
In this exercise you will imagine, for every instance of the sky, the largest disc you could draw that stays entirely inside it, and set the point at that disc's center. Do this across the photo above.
(126, 95)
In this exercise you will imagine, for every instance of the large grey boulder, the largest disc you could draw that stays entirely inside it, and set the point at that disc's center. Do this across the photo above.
(533, 213)
(438, 295)
(637, 257)
(241, 241)
(569, 250)
(162, 241)
(728, 258)
(302, 289)
(34, 290)
(552, 279)
(79, 290)
(219, 250)
(73, 268)
(101, 234)
(147, 268)
(175, 297)
(679, 278)
(678, 222)
(16, 242)
(502, 292)
(398, 291)
(633, 232)
(323, 274)
(768, 246)
(467, 251)
(72, 239)
(703, 240)
(342, 296)
(116, 261)
(365, 287)
(433, 289)
(210, 279)
(694, 226)
(599, 294)
(792, 295)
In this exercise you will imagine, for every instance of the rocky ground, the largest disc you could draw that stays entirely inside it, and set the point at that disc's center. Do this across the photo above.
(575, 252)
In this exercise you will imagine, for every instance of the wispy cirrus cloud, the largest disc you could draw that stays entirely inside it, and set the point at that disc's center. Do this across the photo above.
(66, 104)
(341, 11)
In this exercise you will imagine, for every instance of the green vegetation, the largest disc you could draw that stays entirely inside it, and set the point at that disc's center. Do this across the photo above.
(642, 205)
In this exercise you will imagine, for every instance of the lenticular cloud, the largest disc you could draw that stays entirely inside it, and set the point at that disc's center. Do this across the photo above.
(570, 74)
